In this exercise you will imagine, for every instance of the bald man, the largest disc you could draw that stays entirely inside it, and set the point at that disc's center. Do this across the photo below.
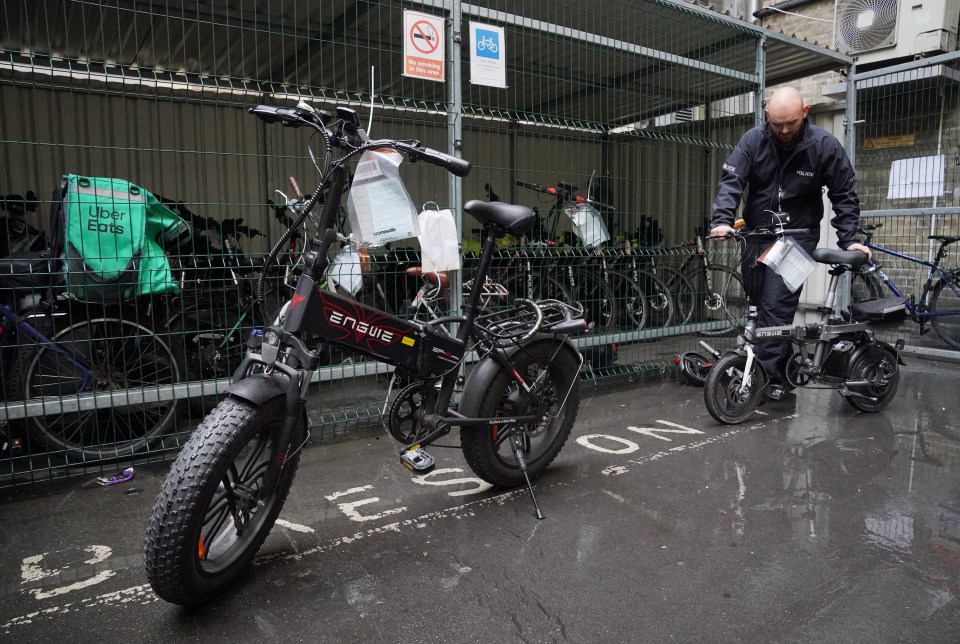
(783, 166)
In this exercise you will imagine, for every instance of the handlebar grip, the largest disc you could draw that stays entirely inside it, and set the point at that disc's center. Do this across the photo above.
(593, 202)
(531, 186)
(295, 187)
(454, 165)
(270, 114)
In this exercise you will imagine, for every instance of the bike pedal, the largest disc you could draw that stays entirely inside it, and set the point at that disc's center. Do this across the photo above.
(416, 459)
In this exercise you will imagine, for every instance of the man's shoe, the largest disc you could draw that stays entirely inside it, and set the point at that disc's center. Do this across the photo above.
(776, 392)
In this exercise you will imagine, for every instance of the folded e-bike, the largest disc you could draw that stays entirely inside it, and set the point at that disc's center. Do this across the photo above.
(838, 352)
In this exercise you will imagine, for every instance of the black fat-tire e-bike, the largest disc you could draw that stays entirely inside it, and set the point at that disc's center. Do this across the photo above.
(833, 353)
(518, 403)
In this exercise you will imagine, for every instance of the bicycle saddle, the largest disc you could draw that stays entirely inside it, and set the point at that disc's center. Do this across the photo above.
(848, 257)
(517, 220)
(944, 238)
(440, 278)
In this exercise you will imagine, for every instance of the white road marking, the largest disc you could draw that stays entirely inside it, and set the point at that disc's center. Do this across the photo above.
(143, 594)
(296, 527)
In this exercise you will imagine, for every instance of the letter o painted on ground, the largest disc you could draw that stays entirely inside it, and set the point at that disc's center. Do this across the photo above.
(588, 441)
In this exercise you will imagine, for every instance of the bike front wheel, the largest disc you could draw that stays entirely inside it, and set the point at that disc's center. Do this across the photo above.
(592, 294)
(98, 356)
(631, 300)
(680, 289)
(721, 297)
(212, 514)
(730, 393)
(945, 306)
(553, 371)
(659, 299)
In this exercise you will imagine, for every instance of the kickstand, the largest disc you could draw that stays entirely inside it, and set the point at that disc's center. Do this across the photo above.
(522, 462)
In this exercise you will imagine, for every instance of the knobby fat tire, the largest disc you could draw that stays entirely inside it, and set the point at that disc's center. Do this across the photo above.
(499, 467)
(174, 567)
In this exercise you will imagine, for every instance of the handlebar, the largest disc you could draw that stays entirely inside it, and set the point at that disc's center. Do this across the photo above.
(415, 151)
(350, 137)
(768, 232)
(18, 204)
(565, 191)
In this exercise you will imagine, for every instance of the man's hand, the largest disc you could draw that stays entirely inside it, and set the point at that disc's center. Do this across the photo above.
(721, 231)
(862, 249)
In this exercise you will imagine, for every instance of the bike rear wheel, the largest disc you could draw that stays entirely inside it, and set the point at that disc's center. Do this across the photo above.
(211, 515)
(864, 285)
(722, 393)
(881, 372)
(99, 355)
(553, 370)
(945, 305)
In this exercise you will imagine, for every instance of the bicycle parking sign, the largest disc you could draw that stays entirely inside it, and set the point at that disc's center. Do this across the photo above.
(487, 61)
(423, 46)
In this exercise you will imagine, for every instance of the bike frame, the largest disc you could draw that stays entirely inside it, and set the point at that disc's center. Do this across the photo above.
(433, 356)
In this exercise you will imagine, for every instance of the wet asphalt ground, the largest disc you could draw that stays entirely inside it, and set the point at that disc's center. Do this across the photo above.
(810, 523)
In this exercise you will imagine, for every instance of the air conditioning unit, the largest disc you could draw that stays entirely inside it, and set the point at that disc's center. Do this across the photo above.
(885, 31)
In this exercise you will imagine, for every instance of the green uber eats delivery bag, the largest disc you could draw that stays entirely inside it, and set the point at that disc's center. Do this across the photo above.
(111, 235)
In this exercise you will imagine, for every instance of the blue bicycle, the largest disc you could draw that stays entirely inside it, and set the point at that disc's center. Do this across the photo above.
(85, 377)
(939, 302)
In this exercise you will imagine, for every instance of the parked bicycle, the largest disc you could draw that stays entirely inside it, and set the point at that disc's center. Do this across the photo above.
(517, 406)
(86, 375)
(610, 298)
(831, 353)
(939, 301)
(719, 292)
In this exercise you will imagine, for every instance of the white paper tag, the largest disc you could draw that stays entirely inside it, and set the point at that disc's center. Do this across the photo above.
(788, 260)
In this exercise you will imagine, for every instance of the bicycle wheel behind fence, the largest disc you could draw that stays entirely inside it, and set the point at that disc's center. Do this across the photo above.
(945, 306)
(721, 300)
(93, 357)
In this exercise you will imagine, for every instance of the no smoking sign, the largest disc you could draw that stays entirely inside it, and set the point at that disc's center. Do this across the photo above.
(423, 46)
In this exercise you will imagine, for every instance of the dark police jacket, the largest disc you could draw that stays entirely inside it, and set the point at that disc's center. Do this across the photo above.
(790, 182)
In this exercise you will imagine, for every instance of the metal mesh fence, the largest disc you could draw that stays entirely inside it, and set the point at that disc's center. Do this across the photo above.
(908, 166)
(633, 105)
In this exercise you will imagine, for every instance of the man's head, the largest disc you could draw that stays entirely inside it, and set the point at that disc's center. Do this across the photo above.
(785, 114)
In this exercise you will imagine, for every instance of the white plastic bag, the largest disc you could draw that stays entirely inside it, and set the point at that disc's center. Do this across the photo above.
(345, 270)
(379, 208)
(587, 224)
(439, 243)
